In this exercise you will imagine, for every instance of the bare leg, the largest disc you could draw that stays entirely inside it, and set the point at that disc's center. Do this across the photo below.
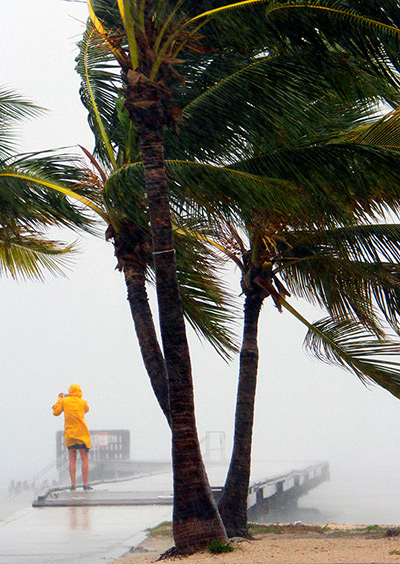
(85, 465)
(72, 465)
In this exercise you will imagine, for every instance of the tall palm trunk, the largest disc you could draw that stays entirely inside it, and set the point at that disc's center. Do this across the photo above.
(196, 520)
(146, 334)
(130, 250)
(233, 503)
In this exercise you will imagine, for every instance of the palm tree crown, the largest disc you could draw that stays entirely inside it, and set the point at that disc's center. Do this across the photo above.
(26, 211)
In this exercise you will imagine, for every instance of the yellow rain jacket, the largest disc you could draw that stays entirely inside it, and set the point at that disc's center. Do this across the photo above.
(74, 408)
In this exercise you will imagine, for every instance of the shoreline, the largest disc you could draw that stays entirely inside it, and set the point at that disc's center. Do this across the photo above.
(285, 544)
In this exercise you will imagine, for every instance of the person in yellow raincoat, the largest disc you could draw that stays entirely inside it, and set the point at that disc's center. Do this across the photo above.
(76, 433)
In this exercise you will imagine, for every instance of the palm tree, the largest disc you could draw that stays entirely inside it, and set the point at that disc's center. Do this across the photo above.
(24, 214)
(345, 337)
(146, 51)
(151, 106)
(234, 500)
(130, 244)
(349, 269)
(148, 101)
(371, 184)
(379, 186)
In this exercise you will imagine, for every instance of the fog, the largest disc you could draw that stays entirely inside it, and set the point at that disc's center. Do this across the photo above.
(78, 329)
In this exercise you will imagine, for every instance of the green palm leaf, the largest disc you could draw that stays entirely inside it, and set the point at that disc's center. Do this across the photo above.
(345, 270)
(100, 84)
(13, 108)
(26, 256)
(302, 94)
(27, 208)
(240, 25)
(384, 132)
(33, 199)
(365, 29)
(339, 179)
(208, 305)
(346, 344)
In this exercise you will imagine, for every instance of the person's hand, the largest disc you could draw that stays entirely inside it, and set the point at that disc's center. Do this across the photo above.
(61, 395)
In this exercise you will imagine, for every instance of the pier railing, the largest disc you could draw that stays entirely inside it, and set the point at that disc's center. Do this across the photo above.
(282, 492)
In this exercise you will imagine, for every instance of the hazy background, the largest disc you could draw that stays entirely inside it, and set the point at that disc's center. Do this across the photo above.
(78, 330)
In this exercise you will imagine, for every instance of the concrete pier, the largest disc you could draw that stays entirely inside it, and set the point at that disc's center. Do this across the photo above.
(66, 527)
(69, 535)
(273, 487)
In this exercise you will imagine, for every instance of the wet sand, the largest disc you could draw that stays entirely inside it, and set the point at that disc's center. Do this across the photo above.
(336, 543)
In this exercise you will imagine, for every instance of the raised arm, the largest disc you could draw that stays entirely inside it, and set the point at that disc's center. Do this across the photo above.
(58, 407)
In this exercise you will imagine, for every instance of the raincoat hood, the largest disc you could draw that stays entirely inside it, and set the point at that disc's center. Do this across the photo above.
(75, 390)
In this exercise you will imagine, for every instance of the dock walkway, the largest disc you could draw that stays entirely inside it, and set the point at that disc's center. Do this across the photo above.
(272, 484)
(81, 530)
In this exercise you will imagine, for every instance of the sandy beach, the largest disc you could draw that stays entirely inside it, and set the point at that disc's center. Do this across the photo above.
(287, 544)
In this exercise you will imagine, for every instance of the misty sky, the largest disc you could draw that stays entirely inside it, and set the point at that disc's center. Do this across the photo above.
(78, 329)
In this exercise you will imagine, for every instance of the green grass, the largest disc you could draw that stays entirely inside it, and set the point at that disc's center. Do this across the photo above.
(267, 529)
(375, 531)
(371, 529)
(217, 547)
(163, 530)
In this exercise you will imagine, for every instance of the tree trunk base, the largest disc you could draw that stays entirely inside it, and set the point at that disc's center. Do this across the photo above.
(170, 553)
(241, 535)
(196, 534)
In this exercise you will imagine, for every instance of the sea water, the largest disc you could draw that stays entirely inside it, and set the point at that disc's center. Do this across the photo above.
(369, 496)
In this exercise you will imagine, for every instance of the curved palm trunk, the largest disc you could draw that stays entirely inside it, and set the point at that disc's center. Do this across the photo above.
(195, 518)
(233, 503)
(130, 247)
(144, 326)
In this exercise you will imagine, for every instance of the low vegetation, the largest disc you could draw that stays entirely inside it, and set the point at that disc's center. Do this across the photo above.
(164, 530)
(218, 547)
(372, 531)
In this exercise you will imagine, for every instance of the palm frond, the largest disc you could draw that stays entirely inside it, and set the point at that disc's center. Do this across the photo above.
(129, 25)
(208, 305)
(240, 25)
(339, 179)
(348, 345)
(43, 201)
(100, 84)
(13, 109)
(348, 271)
(384, 132)
(26, 256)
(275, 101)
(101, 24)
(352, 25)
